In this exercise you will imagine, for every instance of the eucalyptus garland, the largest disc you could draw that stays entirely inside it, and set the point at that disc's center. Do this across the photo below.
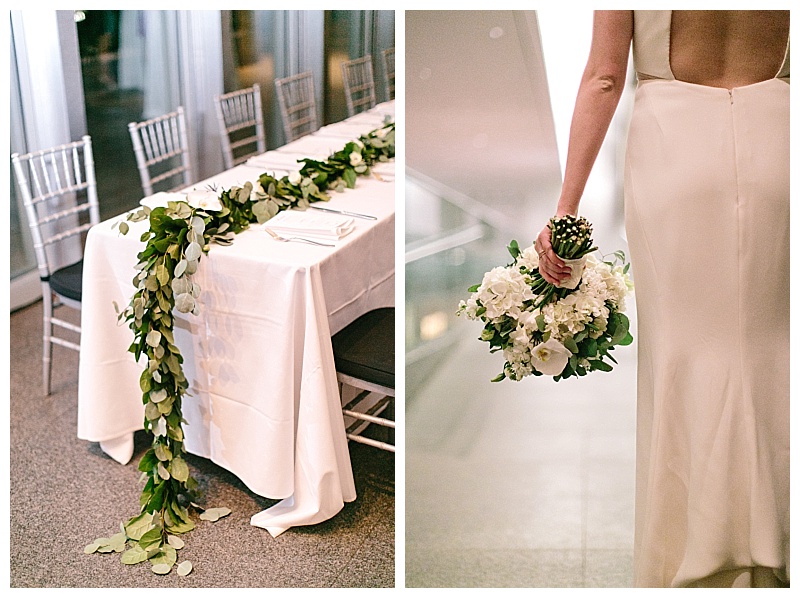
(178, 236)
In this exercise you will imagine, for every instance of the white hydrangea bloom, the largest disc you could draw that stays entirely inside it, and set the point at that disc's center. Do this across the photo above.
(503, 291)
(528, 258)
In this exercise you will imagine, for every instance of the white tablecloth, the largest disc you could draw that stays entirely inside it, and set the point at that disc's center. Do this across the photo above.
(264, 401)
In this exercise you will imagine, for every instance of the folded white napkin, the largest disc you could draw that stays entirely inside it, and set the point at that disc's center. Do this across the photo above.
(160, 199)
(313, 225)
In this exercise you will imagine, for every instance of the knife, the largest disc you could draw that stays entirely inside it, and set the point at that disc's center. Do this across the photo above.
(356, 214)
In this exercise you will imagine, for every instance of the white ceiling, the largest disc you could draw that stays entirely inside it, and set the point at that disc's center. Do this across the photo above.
(478, 114)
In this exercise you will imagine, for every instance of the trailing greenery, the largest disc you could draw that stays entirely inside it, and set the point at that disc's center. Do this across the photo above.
(178, 236)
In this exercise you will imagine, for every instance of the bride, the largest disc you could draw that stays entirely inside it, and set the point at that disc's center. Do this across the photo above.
(707, 219)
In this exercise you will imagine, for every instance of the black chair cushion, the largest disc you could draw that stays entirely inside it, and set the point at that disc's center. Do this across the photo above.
(364, 349)
(67, 282)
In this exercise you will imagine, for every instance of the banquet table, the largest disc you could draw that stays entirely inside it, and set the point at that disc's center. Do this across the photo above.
(263, 400)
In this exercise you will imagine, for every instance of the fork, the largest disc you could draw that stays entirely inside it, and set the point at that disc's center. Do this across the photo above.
(277, 237)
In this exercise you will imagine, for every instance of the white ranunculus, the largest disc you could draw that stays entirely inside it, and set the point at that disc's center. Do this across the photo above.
(355, 159)
(295, 177)
(503, 291)
(204, 200)
(550, 357)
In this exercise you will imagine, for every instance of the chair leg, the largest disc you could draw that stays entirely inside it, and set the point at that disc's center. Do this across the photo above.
(47, 352)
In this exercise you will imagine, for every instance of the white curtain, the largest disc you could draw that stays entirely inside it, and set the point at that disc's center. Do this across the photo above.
(43, 93)
(175, 58)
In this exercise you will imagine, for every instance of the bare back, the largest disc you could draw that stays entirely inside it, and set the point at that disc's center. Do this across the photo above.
(727, 48)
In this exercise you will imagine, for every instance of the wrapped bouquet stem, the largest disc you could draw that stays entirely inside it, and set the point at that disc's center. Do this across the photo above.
(542, 329)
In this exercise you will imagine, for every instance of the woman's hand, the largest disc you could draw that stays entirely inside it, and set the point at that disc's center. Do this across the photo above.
(551, 266)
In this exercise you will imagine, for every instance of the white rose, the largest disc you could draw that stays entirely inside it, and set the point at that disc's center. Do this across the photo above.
(550, 358)
(295, 177)
(355, 159)
(204, 200)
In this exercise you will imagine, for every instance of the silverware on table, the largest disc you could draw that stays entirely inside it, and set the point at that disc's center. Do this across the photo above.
(277, 237)
(343, 212)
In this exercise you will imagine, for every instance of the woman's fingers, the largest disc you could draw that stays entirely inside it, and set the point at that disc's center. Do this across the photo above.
(551, 271)
(551, 266)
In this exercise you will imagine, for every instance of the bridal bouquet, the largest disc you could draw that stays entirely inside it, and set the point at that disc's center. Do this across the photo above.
(558, 331)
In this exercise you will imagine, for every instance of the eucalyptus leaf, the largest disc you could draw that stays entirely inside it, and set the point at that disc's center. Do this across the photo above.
(175, 542)
(198, 225)
(180, 268)
(163, 453)
(117, 541)
(570, 344)
(153, 338)
(166, 556)
(162, 274)
(215, 513)
(151, 411)
(160, 427)
(179, 469)
(165, 406)
(162, 568)
(151, 283)
(193, 251)
(133, 555)
(184, 568)
(181, 285)
(151, 538)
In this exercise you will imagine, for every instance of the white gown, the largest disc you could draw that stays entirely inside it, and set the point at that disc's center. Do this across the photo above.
(707, 217)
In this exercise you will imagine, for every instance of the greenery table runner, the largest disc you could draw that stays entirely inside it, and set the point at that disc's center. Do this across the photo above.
(179, 234)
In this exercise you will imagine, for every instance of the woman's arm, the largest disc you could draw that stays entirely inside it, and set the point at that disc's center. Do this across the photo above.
(598, 95)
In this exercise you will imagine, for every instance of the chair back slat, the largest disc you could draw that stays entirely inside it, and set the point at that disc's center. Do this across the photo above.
(359, 84)
(57, 187)
(388, 72)
(298, 105)
(157, 143)
(237, 111)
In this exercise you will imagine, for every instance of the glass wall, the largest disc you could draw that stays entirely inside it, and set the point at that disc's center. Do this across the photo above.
(261, 46)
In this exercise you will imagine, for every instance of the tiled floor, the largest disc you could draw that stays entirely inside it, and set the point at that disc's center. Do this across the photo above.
(526, 484)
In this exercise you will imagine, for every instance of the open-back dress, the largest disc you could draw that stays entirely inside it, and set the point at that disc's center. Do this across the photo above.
(707, 218)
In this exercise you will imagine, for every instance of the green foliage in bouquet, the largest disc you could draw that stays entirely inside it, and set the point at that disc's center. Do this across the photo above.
(178, 236)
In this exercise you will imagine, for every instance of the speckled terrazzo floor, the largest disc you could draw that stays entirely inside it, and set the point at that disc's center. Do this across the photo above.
(65, 492)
